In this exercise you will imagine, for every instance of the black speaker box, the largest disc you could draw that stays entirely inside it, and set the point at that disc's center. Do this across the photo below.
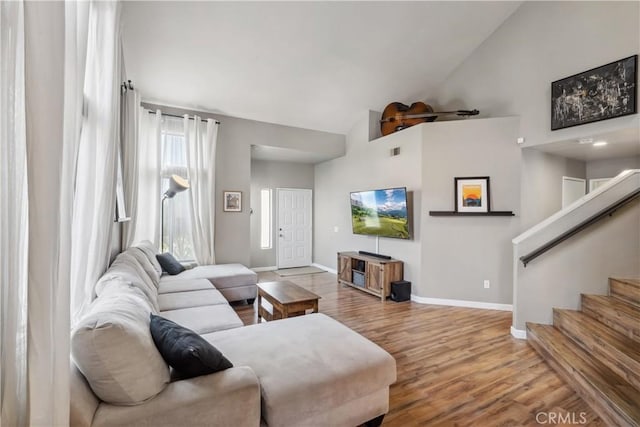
(400, 291)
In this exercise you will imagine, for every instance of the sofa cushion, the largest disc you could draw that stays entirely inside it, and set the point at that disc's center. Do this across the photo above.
(127, 258)
(311, 352)
(113, 348)
(221, 275)
(125, 268)
(148, 267)
(171, 286)
(177, 300)
(119, 284)
(150, 250)
(184, 350)
(205, 319)
(240, 293)
(170, 264)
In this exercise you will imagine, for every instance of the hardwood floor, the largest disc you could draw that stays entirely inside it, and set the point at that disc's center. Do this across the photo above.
(456, 366)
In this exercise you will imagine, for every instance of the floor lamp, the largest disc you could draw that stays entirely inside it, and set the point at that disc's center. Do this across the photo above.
(177, 184)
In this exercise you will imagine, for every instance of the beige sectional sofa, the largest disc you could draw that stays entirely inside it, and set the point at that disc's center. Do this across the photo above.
(307, 371)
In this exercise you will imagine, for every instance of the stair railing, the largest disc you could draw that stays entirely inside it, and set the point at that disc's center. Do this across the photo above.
(526, 259)
(613, 206)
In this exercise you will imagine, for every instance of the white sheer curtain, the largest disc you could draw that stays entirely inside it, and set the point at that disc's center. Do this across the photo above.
(145, 216)
(56, 168)
(94, 200)
(176, 223)
(13, 218)
(165, 146)
(130, 129)
(200, 143)
(49, 194)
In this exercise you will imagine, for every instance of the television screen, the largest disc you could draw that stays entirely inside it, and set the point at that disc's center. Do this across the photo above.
(380, 213)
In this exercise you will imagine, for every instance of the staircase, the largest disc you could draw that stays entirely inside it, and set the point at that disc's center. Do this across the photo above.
(597, 350)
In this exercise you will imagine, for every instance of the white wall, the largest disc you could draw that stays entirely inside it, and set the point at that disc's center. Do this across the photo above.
(448, 257)
(272, 175)
(367, 166)
(511, 72)
(459, 253)
(233, 170)
(541, 184)
(609, 168)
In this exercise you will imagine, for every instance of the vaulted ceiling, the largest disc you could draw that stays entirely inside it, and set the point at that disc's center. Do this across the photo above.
(314, 65)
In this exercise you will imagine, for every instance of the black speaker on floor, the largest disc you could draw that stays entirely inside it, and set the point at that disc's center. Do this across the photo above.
(400, 291)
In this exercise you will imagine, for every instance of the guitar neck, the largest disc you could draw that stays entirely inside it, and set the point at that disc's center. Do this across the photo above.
(434, 114)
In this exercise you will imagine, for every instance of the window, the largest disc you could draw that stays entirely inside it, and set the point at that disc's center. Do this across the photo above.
(265, 218)
(176, 220)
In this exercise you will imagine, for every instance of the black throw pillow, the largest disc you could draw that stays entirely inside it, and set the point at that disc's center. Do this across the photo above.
(184, 350)
(169, 263)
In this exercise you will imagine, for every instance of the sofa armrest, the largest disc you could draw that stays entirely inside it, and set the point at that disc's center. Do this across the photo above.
(83, 403)
(227, 398)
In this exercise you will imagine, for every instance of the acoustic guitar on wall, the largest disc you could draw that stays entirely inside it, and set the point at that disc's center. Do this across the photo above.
(397, 116)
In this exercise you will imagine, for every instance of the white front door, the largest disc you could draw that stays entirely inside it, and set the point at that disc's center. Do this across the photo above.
(294, 228)
(572, 190)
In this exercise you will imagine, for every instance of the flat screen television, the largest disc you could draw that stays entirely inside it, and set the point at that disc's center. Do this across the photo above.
(380, 213)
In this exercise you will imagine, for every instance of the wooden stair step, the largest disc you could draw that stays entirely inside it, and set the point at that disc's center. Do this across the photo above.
(616, 314)
(618, 352)
(608, 394)
(627, 290)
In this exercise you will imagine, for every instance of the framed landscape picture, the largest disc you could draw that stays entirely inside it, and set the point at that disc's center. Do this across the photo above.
(232, 201)
(598, 94)
(472, 194)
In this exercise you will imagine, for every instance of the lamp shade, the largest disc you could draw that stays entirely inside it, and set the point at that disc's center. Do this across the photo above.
(176, 185)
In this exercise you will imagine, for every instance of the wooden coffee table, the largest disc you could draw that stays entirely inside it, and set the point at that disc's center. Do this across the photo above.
(287, 300)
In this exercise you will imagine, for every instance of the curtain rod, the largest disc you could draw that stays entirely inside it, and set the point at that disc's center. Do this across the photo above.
(180, 117)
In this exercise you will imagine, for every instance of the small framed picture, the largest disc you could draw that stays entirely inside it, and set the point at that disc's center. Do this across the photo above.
(232, 201)
(472, 194)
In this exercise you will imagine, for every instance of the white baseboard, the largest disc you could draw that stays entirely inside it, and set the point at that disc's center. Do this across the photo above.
(462, 303)
(518, 333)
(324, 267)
(259, 269)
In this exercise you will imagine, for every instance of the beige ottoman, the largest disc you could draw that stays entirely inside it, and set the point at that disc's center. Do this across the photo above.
(312, 370)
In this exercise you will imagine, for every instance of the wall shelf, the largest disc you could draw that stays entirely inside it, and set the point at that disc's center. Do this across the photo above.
(453, 213)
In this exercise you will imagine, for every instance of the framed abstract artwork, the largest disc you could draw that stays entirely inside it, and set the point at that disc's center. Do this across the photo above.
(601, 93)
(472, 194)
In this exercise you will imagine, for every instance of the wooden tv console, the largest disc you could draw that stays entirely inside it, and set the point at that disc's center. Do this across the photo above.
(368, 273)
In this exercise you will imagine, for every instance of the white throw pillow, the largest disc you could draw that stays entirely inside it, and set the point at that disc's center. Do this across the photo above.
(113, 348)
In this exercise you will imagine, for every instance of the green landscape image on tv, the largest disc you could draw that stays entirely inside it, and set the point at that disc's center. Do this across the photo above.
(380, 213)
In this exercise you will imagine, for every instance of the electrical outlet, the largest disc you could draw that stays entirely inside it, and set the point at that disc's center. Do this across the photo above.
(487, 284)
(335, 229)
